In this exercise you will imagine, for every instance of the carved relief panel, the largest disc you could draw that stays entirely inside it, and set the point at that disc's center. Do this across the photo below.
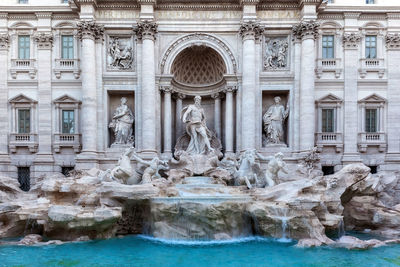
(276, 53)
(120, 53)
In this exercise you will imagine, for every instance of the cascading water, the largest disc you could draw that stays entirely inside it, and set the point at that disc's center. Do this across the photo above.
(341, 230)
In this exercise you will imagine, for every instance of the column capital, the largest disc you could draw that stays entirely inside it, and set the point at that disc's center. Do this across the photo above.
(392, 41)
(351, 40)
(44, 40)
(4, 41)
(146, 30)
(90, 30)
(306, 30)
(217, 96)
(166, 89)
(230, 89)
(251, 30)
(179, 96)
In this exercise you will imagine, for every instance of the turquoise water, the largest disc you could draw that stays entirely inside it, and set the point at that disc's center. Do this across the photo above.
(144, 251)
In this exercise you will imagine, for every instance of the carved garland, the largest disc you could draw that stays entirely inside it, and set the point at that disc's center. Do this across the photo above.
(146, 30)
(199, 36)
(351, 40)
(393, 41)
(44, 40)
(4, 41)
(306, 29)
(90, 29)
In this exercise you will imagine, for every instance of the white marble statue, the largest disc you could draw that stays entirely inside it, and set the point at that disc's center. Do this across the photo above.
(196, 128)
(275, 165)
(122, 123)
(123, 171)
(248, 169)
(152, 168)
(121, 55)
(273, 121)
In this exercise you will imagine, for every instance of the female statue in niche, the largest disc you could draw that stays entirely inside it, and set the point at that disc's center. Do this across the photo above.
(121, 123)
(273, 121)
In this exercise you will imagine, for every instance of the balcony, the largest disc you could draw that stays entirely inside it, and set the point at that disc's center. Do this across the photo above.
(23, 66)
(23, 140)
(329, 140)
(67, 65)
(372, 65)
(328, 65)
(373, 140)
(67, 140)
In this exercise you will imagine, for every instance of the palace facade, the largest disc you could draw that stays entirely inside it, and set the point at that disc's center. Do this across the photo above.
(65, 65)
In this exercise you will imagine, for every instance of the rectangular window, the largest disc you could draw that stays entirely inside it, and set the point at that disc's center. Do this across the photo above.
(371, 120)
(328, 46)
(64, 1)
(24, 178)
(24, 121)
(370, 1)
(330, 1)
(67, 49)
(68, 122)
(24, 47)
(328, 124)
(370, 46)
(23, 1)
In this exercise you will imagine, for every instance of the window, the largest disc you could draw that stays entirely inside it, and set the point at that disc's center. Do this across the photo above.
(371, 120)
(23, 1)
(370, 46)
(23, 47)
(64, 1)
(328, 125)
(328, 46)
(67, 50)
(24, 121)
(330, 1)
(68, 122)
(24, 178)
(370, 1)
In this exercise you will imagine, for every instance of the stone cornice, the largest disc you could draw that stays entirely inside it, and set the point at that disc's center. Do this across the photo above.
(351, 40)
(44, 40)
(4, 41)
(306, 29)
(310, 2)
(43, 15)
(147, 2)
(393, 41)
(90, 29)
(146, 30)
(249, 2)
(180, 6)
(251, 30)
(3, 15)
(351, 15)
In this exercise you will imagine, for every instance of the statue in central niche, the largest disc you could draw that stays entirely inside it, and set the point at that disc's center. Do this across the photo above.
(200, 136)
(273, 121)
(122, 122)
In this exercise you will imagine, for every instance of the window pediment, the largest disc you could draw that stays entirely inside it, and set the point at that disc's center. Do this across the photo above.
(66, 99)
(22, 99)
(373, 99)
(329, 99)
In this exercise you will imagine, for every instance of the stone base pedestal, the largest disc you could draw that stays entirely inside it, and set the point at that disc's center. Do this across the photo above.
(86, 161)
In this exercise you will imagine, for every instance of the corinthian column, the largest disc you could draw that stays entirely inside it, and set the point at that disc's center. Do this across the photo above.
(229, 123)
(249, 32)
(393, 59)
(87, 32)
(4, 158)
(44, 158)
(350, 43)
(146, 31)
(101, 126)
(178, 109)
(167, 120)
(307, 31)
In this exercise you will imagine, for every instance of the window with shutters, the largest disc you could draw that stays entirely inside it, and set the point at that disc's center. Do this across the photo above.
(24, 120)
(24, 47)
(67, 46)
(68, 121)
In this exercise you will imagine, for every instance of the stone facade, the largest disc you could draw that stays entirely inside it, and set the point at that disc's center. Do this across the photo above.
(67, 64)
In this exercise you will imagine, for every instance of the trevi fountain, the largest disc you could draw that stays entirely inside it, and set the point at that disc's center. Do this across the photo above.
(204, 201)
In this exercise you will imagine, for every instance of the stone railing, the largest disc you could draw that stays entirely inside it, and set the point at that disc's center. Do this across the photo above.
(372, 65)
(372, 139)
(67, 140)
(29, 140)
(329, 140)
(23, 66)
(67, 65)
(328, 65)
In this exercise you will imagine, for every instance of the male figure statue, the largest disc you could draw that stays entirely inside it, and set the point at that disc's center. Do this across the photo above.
(122, 123)
(273, 121)
(275, 165)
(196, 128)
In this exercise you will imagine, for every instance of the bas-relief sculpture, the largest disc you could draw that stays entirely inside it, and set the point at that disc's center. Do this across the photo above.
(122, 124)
(273, 121)
(120, 54)
(276, 53)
